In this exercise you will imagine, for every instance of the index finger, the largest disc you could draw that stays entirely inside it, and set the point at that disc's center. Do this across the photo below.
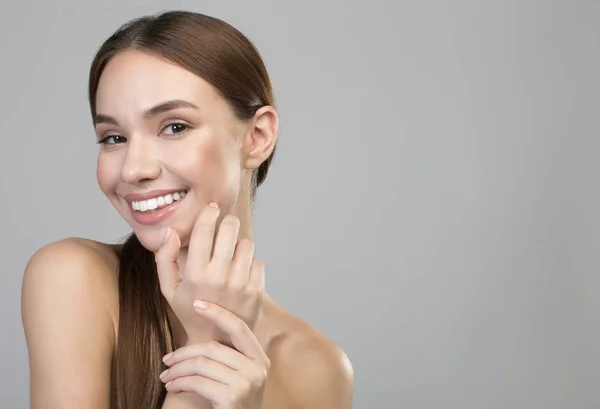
(242, 337)
(202, 236)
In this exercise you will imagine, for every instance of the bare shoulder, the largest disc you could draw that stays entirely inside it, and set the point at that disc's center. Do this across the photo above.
(70, 264)
(76, 250)
(69, 307)
(308, 369)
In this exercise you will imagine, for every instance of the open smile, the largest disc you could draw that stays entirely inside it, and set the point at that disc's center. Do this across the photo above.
(155, 203)
(153, 210)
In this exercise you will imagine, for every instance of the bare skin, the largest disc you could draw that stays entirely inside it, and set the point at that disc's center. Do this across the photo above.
(70, 312)
(70, 292)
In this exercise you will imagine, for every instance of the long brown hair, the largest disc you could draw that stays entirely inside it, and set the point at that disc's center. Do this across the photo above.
(225, 58)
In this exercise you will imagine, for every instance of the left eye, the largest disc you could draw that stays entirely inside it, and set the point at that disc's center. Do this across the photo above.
(173, 129)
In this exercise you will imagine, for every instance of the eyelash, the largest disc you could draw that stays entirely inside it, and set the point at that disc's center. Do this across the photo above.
(102, 141)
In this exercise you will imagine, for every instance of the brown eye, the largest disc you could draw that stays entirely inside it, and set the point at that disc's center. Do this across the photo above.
(112, 140)
(175, 128)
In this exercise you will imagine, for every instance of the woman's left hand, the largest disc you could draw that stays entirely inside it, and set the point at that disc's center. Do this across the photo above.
(228, 378)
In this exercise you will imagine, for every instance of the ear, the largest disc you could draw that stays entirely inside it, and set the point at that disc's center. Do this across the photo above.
(261, 137)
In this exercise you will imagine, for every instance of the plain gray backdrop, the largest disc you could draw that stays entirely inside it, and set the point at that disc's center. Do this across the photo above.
(433, 204)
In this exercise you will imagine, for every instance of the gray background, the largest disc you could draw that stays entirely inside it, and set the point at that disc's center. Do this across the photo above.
(433, 206)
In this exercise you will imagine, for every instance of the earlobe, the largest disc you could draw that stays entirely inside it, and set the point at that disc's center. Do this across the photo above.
(261, 137)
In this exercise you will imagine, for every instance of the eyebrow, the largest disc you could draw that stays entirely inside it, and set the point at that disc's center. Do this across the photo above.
(150, 112)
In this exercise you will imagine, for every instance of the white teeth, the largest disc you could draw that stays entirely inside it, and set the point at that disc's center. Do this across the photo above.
(152, 204)
(157, 202)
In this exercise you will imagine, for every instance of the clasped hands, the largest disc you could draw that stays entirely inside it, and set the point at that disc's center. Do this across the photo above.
(216, 295)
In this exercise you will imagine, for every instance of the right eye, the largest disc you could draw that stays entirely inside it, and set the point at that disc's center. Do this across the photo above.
(112, 140)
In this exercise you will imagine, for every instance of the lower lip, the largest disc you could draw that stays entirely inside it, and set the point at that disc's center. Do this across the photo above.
(157, 215)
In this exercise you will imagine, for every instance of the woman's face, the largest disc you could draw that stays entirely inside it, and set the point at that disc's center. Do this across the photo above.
(169, 145)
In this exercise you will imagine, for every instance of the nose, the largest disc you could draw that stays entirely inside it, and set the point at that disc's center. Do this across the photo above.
(140, 162)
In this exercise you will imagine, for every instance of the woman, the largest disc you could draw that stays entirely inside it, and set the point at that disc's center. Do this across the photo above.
(176, 317)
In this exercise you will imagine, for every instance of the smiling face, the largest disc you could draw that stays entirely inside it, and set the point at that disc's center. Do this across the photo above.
(167, 133)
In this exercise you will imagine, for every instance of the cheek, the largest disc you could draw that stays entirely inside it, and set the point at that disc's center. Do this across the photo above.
(213, 169)
(105, 174)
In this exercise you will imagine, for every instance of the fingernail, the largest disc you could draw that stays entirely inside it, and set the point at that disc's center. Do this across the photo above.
(166, 235)
(214, 204)
(168, 384)
(162, 375)
(167, 357)
(201, 305)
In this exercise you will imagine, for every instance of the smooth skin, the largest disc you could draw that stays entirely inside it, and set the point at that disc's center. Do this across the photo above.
(233, 282)
(235, 347)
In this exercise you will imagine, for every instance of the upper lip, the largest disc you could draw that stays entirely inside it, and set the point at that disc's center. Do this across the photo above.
(135, 197)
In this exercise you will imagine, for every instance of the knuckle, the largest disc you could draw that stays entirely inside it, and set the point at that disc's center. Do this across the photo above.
(262, 371)
(245, 386)
(252, 293)
(237, 286)
(259, 264)
(242, 328)
(185, 383)
(258, 269)
(174, 357)
(258, 379)
(214, 278)
(245, 245)
(212, 345)
(199, 361)
(230, 399)
(215, 281)
(252, 290)
(195, 280)
(239, 326)
(176, 383)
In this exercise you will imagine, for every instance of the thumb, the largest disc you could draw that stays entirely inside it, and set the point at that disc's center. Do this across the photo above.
(166, 263)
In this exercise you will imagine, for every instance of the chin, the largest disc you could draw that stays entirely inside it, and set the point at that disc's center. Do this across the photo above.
(151, 237)
(150, 240)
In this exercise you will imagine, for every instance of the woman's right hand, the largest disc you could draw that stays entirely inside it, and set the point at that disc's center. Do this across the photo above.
(218, 269)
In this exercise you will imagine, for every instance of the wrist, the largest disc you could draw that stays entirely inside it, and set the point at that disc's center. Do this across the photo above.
(207, 336)
(185, 400)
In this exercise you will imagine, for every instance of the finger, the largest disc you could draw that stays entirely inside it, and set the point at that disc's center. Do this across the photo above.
(256, 280)
(226, 239)
(212, 350)
(202, 366)
(241, 336)
(242, 260)
(202, 237)
(207, 388)
(166, 263)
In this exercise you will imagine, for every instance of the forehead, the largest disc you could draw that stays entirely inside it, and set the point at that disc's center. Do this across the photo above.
(134, 80)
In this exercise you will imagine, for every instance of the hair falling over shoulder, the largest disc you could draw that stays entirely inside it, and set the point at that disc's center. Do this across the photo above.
(144, 331)
(224, 57)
